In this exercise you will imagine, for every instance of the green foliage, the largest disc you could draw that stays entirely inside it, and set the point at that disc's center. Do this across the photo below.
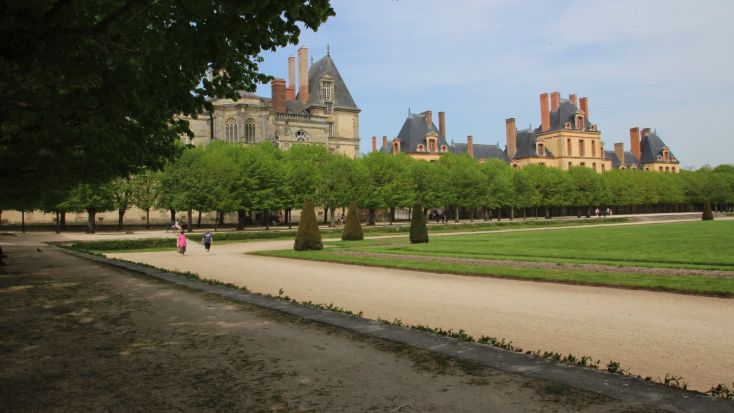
(309, 236)
(125, 244)
(418, 230)
(352, 227)
(707, 214)
(97, 86)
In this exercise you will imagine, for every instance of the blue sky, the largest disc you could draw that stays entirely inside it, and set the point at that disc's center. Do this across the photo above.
(667, 65)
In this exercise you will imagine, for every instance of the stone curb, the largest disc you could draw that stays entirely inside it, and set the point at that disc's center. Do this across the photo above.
(616, 386)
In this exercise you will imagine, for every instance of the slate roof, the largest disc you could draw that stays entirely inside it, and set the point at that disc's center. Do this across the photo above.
(629, 159)
(342, 97)
(566, 113)
(651, 146)
(481, 151)
(413, 133)
(526, 145)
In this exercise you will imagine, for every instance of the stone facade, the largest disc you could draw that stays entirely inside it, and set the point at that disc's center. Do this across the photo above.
(323, 112)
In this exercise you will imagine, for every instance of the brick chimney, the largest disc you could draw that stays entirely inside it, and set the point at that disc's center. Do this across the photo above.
(619, 150)
(511, 137)
(374, 144)
(635, 142)
(442, 124)
(544, 113)
(644, 132)
(585, 108)
(574, 100)
(470, 145)
(384, 141)
(290, 91)
(429, 118)
(555, 101)
(278, 95)
(303, 74)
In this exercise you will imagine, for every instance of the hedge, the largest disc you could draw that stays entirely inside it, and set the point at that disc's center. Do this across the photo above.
(125, 244)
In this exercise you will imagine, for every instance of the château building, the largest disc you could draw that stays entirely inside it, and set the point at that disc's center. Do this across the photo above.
(320, 111)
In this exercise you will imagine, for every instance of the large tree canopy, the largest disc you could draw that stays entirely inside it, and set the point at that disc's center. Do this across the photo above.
(90, 90)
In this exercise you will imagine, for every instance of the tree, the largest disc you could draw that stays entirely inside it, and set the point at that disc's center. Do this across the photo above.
(308, 236)
(707, 214)
(92, 198)
(551, 186)
(500, 190)
(342, 182)
(587, 188)
(145, 192)
(418, 228)
(429, 183)
(352, 228)
(98, 85)
(304, 166)
(122, 196)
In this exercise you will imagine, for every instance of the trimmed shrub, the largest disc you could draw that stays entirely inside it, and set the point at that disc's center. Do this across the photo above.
(418, 229)
(707, 214)
(309, 236)
(352, 228)
(125, 244)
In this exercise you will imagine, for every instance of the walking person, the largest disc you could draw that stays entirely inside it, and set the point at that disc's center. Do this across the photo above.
(181, 244)
(597, 212)
(207, 240)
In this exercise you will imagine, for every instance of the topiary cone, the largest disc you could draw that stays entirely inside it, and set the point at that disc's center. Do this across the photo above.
(707, 214)
(352, 228)
(309, 236)
(418, 229)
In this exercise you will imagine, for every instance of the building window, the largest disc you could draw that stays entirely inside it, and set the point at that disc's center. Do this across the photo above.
(672, 169)
(250, 130)
(326, 90)
(395, 147)
(661, 169)
(569, 165)
(666, 155)
(302, 136)
(568, 147)
(277, 139)
(583, 163)
(421, 148)
(331, 129)
(667, 169)
(329, 108)
(540, 149)
(593, 166)
(593, 149)
(633, 166)
(602, 167)
(444, 148)
(432, 145)
(186, 140)
(582, 148)
(230, 131)
(580, 123)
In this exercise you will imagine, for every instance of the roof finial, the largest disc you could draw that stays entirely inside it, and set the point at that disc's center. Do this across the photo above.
(311, 60)
(408, 110)
(327, 49)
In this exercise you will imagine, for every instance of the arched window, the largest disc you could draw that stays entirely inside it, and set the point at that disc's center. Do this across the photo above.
(230, 131)
(277, 139)
(250, 130)
(421, 148)
(302, 136)
(444, 148)
(666, 155)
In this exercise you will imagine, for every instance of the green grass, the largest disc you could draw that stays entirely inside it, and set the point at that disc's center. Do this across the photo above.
(676, 245)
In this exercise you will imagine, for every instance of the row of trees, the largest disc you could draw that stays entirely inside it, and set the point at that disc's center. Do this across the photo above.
(262, 178)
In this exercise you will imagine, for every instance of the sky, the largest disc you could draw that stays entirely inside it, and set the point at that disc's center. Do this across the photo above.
(662, 64)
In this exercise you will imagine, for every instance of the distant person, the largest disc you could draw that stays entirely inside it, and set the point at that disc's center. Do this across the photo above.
(207, 240)
(2, 255)
(597, 212)
(182, 244)
(490, 214)
(609, 211)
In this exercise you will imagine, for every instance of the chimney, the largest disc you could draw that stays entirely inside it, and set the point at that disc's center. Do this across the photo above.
(374, 144)
(290, 91)
(544, 113)
(511, 137)
(384, 141)
(429, 118)
(303, 74)
(470, 145)
(635, 142)
(619, 150)
(278, 95)
(442, 124)
(585, 108)
(574, 100)
(555, 101)
(645, 131)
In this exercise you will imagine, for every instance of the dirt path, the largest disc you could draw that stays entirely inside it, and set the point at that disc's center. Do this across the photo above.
(79, 336)
(650, 333)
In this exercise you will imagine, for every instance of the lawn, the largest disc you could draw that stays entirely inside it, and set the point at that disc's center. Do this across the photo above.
(690, 245)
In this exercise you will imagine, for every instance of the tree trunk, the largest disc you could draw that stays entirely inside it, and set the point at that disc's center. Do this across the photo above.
(266, 214)
(547, 213)
(191, 221)
(524, 215)
(288, 216)
(173, 215)
(198, 221)
(331, 217)
(456, 214)
(1, 217)
(147, 218)
(512, 213)
(372, 217)
(90, 220)
(216, 220)
(58, 223)
(326, 215)
(63, 220)
(22, 221)
(241, 220)
(499, 214)
(120, 215)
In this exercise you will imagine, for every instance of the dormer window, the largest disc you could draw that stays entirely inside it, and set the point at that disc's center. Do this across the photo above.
(432, 142)
(622, 166)
(421, 148)
(660, 157)
(540, 149)
(580, 122)
(515, 165)
(326, 90)
(396, 146)
(568, 125)
(444, 148)
(647, 167)
(633, 166)
(592, 128)
(666, 155)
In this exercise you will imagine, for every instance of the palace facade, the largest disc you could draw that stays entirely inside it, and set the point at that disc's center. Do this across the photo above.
(320, 111)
